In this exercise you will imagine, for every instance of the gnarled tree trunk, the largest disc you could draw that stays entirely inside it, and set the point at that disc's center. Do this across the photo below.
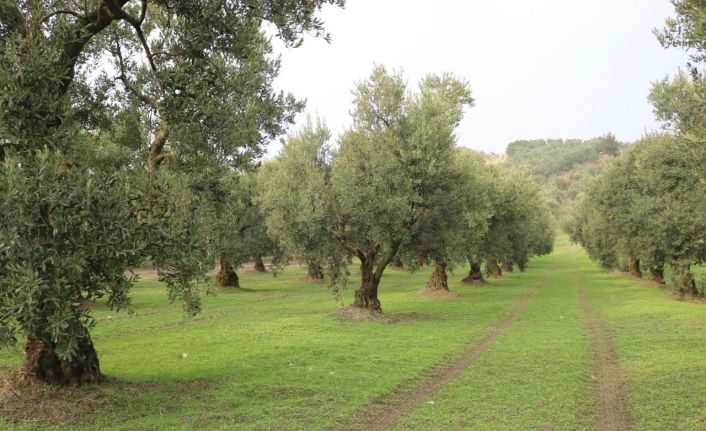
(259, 264)
(494, 269)
(475, 275)
(227, 276)
(438, 279)
(43, 364)
(522, 264)
(657, 272)
(367, 294)
(421, 259)
(634, 267)
(508, 266)
(314, 271)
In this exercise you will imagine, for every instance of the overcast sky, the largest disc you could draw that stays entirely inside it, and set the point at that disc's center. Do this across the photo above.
(537, 68)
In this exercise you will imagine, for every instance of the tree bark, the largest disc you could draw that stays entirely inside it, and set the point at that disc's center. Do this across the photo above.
(495, 270)
(522, 264)
(43, 364)
(367, 294)
(438, 279)
(227, 276)
(634, 267)
(259, 264)
(508, 266)
(421, 259)
(657, 272)
(475, 275)
(314, 271)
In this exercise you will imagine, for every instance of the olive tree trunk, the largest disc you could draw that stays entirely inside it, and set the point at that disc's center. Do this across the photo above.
(508, 266)
(259, 264)
(634, 267)
(657, 273)
(438, 279)
(367, 294)
(475, 275)
(494, 269)
(227, 277)
(43, 364)
(314, 271)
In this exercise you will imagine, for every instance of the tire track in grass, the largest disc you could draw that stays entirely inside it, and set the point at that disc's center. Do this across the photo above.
(611, 411)
(387, 411)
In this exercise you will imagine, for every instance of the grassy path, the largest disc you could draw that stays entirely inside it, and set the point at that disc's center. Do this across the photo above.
(387, 411)
(611, 409)
(589, 350)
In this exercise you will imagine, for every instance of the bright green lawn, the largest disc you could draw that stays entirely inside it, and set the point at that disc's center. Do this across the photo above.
(275, 356)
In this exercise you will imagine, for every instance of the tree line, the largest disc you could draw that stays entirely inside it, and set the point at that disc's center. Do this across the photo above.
(398, 187)
(647, 210)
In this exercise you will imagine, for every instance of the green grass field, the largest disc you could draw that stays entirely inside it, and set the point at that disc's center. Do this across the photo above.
(275, 356)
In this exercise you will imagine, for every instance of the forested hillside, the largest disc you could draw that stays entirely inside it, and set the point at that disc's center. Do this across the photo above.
(562, 166)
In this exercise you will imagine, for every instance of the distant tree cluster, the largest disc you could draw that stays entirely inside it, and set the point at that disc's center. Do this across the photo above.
(648, 209)
(562, 167)
(544, 158)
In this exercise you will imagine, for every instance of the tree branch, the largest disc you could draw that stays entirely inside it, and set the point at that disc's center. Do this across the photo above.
(340, 233)
(91, 24)
(62, 12)
(387, 258)
(136, 23)
(151, 101)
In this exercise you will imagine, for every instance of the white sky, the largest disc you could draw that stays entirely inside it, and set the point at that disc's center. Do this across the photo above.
(537, 68)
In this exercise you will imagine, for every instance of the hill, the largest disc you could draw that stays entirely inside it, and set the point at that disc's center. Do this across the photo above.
(562, 166)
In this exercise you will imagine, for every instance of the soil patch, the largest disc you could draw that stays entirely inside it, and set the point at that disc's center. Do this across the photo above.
(25, 401)
(439, 293)
(610, 390)
(387, 411)
(357, 314)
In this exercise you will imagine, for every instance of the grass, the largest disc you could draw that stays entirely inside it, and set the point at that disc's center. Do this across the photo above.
(275, 356)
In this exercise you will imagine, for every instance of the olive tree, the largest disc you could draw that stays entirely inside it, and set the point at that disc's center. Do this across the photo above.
(298, 218)
(444, 235)
(519, 225)
(391, 168)
(161, 85)
(241, 231)
(648, 206)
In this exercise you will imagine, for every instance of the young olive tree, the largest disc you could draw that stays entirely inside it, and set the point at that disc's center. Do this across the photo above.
(391, 168)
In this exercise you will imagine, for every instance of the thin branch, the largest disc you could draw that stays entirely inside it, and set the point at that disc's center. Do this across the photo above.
(340, 233)
(151, 101)
(136, 23)
(62, 12)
